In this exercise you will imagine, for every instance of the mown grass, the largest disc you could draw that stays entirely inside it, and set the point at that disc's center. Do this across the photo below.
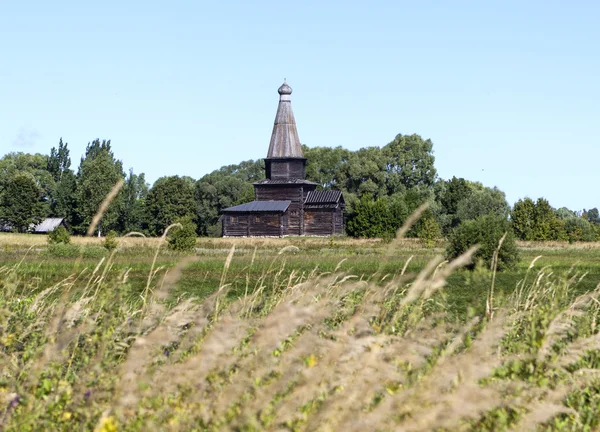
(322, 335)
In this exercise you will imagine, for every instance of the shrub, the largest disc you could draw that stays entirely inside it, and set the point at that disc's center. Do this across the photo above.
(428, 230)
(63, 250)
(110, 241)
(59, 235)
(183, 238)
(486, 231)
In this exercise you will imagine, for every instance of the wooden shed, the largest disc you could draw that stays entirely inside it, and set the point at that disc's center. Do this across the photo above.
(285, 202)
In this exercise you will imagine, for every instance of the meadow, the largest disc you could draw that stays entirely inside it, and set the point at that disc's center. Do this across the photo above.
(295, 334)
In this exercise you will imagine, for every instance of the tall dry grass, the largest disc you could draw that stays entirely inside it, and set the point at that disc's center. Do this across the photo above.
(316, 352)
(319, 352)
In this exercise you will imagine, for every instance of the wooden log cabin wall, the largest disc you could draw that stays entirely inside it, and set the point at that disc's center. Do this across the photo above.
(285, 202)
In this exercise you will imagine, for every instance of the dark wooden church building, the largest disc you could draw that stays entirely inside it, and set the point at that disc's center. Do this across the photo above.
(286, 204)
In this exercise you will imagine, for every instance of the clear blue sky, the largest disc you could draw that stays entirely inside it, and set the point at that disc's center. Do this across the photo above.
(509, 91)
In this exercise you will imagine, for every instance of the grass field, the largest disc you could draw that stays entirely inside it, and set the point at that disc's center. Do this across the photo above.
(295, 334)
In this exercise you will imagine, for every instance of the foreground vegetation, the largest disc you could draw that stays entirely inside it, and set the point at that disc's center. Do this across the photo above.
(295, 334)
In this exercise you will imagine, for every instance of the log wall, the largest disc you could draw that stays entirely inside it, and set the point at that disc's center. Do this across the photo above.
(253, 224)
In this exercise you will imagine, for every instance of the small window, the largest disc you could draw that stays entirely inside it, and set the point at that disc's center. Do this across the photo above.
(234, 219)
(295, 213)
(257, 219)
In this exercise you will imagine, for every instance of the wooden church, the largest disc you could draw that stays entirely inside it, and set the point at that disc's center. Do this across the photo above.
(286, 204)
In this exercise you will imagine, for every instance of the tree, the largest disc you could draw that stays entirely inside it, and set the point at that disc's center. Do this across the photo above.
(325, 166)
(593, 216)
(579, 229)
(133, 212)
(21, 203)
(214, 192)
(409, 162)
(32, 164)
(183, 238)
(59, 161)
(449, 193)
(482, 201)
(523, 219)
(485, 231)
(365, 173)
(546, 225)
(371, 218)
(98, 173)
(428, 229)
(169, 199)
(63, 200)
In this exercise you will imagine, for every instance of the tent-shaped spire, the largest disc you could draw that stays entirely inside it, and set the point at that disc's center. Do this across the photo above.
(284, 139)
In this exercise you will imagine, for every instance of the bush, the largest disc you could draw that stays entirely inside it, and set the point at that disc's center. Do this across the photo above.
(110, 241)
(184, 238)
(62, 250)
(59, 235)
(428, 230)
(485, 231)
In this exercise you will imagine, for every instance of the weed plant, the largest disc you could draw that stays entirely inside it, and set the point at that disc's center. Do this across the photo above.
(295, 350)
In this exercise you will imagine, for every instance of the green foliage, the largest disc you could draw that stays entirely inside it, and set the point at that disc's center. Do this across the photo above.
(485, 231)
(21, 203)
(169, 199)
(183, 238)
(324, 166)
(428, 229)
(579, 229)
(110, 241)
(482, 201)
(59, 235)
(98, 173)
(371, 218)
(133, 216)
(409, 163)
(537, 221)
(216, 191)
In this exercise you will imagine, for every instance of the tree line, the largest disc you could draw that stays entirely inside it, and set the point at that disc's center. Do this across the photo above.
(382, 187)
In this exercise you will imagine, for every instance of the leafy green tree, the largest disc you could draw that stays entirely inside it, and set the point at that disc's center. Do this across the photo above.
(428, 229)
(183, 238)
(169, 199)
(485, 231)
(133, 215)
(537, 221)
(371, 218)
(215, 192)
(59, 161)
(325, 166)
(449, 193)
(98, 173)
(482, 201)
(365, 173)
(593, 216)
(32, 164)
(579, 230)
(63, 200)
(409, 162)
(21, 202)
(546, 226)
(523, 219)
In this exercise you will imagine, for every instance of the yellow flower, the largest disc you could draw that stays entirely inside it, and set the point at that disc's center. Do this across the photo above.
(67, 415)
(311, 361)
(107, 424)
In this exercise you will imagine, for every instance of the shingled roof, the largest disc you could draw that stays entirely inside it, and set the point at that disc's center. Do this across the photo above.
(323, 197)
(284, 139)
(284, 182)
(259, 206)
